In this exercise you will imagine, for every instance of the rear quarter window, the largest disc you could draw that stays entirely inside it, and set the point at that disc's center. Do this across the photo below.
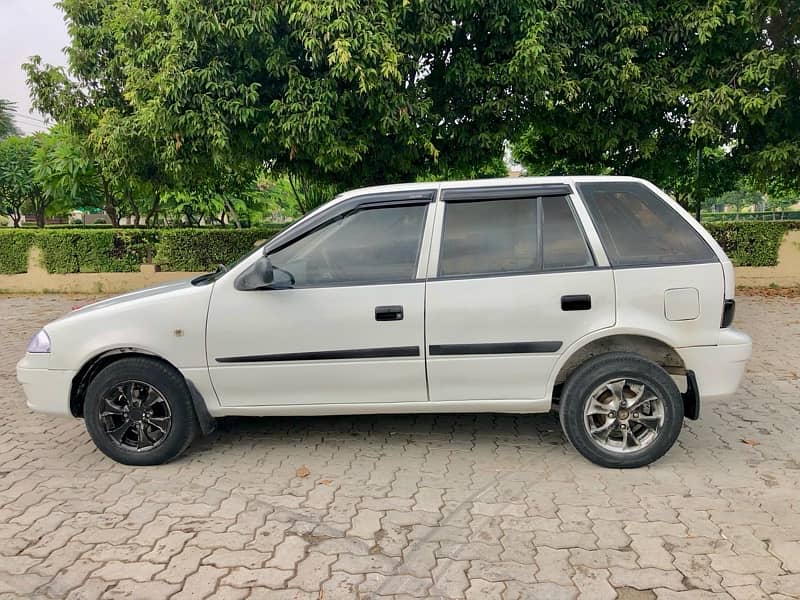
(638, 228)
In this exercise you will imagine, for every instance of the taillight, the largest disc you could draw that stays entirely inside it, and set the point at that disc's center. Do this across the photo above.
(728, 310)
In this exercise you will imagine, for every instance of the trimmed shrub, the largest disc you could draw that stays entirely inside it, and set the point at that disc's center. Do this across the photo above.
(751, 243)
(204, 249)
(14, 246)
(95, 251)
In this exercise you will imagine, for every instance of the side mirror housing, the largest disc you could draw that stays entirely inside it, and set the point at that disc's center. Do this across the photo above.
(261, 276)
(264, 270)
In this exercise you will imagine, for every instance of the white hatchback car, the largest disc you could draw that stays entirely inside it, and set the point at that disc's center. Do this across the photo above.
(599, 296)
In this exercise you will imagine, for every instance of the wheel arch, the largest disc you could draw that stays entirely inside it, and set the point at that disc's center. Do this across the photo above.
(98, 362)
(657, 350)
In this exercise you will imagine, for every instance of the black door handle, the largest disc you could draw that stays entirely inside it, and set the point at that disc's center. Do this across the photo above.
(388, 313)
(576, 302)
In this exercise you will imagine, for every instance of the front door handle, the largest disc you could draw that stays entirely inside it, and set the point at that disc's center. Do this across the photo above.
(576, 302)
(388, 313)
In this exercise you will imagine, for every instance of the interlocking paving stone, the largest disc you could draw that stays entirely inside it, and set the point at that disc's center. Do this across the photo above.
(409, 506)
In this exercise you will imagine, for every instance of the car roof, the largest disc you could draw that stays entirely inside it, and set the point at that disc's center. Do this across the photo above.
(471, 183)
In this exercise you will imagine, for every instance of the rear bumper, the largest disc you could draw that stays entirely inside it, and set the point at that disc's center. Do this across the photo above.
(719, 369)
(46, 390)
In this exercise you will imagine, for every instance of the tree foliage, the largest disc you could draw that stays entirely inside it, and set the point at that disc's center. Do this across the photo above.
(647, 88)
(19, 189)
(335, 91)
(183, 103)
(7, 125)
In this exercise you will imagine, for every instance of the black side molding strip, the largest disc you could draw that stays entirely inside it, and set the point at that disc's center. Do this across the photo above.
(505, 191)
(396, 352)
(500, 348)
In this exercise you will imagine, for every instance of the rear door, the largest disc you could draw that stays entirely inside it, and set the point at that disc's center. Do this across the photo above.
(512, 284)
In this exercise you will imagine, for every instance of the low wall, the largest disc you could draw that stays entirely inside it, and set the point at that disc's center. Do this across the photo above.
(37, 280)
(785, 274)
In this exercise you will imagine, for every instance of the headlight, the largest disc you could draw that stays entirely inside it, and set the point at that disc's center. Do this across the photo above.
(40, 343)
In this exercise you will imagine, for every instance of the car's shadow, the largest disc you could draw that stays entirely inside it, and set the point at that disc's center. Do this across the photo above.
(421, 428)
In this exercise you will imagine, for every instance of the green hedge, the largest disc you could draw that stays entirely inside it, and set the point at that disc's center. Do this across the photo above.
(101, 250)
(95, 251)
(14, 246)
(204, 249)
(751, 243)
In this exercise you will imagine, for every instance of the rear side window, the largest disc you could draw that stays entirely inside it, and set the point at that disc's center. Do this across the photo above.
(562, 240)
(486, 237)
(639, 229)
(514, 235)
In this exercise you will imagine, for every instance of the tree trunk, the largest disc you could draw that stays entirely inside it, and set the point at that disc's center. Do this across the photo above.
(153, 210)
(16, 217)
(111, 211)
(232, 213)
(109, 206)
(40, 217)
(297, 197)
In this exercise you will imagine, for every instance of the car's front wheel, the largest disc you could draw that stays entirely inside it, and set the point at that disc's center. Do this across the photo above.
(621, 410)
(138, 411)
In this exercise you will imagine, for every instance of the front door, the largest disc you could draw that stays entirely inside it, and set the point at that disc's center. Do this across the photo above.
(351, 330)
(515, 284)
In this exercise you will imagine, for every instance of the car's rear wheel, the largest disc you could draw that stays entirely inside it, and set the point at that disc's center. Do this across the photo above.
(138, 411)
(621, 410)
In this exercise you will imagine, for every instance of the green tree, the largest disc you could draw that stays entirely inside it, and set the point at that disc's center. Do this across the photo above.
(750, 93)
(740, 198)
(66, 171)
(23, 186)
(647, 88)
(7, 125)
(333, 92)
(89, 100)
(16, 175)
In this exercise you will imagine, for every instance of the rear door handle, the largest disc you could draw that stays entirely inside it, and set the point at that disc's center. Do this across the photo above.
(576, 302)
(388, 313)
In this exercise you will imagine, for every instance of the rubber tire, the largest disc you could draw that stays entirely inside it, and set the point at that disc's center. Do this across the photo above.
(586, 378)
(170, 383)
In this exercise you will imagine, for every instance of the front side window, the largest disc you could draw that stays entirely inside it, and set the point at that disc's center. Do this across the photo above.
(369, 245)
(638, 228)
(488, 237)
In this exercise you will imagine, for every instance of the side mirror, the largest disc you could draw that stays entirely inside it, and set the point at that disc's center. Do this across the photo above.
(261, 275)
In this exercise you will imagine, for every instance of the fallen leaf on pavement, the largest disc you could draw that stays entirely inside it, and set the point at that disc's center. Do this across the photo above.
(751, 442)
(303, 471)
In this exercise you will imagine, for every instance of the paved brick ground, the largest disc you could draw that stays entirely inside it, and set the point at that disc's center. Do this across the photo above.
(412, 506)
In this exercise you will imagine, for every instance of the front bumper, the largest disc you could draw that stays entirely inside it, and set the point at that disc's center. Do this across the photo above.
(46, 390)
(719, 369)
